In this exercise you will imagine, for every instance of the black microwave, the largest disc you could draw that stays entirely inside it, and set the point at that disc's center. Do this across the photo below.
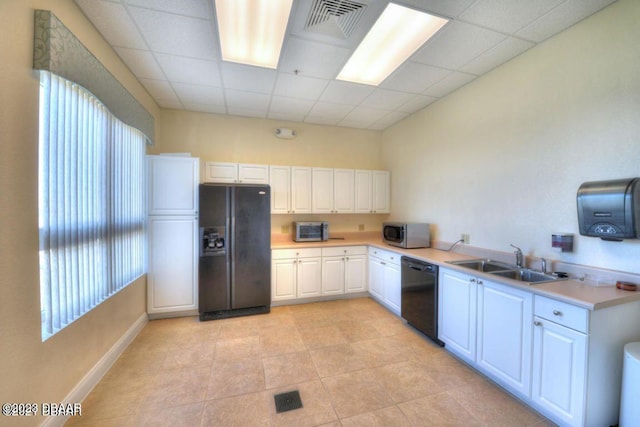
(406, 234)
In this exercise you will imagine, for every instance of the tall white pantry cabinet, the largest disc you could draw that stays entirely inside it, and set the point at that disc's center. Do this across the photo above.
(172, 280)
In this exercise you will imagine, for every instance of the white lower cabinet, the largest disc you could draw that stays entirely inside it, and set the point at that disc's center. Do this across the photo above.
(385, 278)
(559, 370)
(173, 270)
(296, 273)
(504, 335)
(457, 298)
(344, 270)
(562, 359)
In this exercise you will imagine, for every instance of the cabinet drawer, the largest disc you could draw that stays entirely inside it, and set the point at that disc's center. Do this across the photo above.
(562, 313)
(295, 253)
(388, 256)
(344, 250)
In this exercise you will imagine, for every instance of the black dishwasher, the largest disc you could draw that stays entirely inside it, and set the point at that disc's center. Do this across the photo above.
(419, 306)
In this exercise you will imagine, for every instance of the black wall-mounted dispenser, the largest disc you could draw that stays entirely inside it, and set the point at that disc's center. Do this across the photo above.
(610, 209)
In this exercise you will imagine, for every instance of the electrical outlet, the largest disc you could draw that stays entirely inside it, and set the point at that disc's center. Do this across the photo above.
(360, 227)
(465, 238)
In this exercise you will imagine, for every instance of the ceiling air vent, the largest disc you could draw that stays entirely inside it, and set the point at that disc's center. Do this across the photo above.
(337, 18)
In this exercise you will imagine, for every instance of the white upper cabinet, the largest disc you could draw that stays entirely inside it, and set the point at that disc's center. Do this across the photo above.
(290, 189)
(245, 173)
(371, 192)
(333, 190)
(173, 185)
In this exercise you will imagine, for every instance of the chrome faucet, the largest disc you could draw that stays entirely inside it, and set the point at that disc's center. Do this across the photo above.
(519, 257)
(543, 265)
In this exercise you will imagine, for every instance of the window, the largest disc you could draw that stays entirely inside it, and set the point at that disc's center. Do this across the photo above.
(91, 202)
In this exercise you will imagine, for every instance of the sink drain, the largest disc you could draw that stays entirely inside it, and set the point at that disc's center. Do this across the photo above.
(287, 401)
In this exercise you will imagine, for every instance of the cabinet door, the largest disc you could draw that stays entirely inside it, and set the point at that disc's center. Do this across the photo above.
(333, 274)
(173, 185)
(253, 174)
(363, 192)
(457, 313)
(355, 275)
(381, 193)
(376, 278)
(280, 181)
(392, 287)
(343, 190)
(300, 189)
(322, 191)
(504, 334)
(283, 279)
(309, 277)
(220, 172)
(559, 370)
(173, 270)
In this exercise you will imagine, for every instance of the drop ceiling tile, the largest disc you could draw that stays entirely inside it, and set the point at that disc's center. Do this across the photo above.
(321, 121)
(417, 103)
(414, 77)
(388, 120)
(195, 8)
(247, 112)
(507, 16)
(160, 89)
(170, 104)
(189, 70)
(445, 8)
(340, 92)
(141, 63)
(313, 59)
(299, 86)
(198, 94)
(329, 110)
(284, 105)
(289, 117)
(365, 114)
(561, 17)
(238, 99)
(506, 50)
(355, 124)
(175, 34)
(248, 78)
(206, 108)
(457, 44)
(386, 99)
(113, 22)
(454, 81)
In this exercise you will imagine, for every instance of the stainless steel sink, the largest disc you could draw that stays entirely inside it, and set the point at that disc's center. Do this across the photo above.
(529, 276)
(485, 265)
(505, 270)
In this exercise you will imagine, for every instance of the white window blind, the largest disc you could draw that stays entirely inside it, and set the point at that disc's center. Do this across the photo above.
(91, 202)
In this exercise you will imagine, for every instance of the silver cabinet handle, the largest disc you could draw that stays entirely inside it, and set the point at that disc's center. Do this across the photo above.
(537, 323)
(472, 280)
(557, 313)
(480, 282)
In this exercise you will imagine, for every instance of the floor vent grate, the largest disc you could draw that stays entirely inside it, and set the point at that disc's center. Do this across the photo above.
(287, 401)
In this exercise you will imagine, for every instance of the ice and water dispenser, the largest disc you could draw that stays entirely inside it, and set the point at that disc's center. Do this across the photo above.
(212, 241)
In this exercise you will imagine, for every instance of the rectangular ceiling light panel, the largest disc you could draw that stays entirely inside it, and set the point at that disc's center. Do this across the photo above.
(395, 36)
(252, 31)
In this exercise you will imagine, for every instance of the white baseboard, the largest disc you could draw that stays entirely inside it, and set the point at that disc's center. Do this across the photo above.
(84, 387)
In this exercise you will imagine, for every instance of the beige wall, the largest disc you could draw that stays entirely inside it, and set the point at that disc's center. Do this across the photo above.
(503, 157)
(214, 137)
(32, 371)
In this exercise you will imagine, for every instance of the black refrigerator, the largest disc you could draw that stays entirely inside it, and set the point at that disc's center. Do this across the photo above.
(234, 271)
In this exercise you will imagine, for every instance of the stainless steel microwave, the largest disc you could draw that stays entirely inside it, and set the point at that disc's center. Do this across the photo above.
(406, 234)
(310, 231)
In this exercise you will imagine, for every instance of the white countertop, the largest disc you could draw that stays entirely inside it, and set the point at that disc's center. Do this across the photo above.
(571, 291)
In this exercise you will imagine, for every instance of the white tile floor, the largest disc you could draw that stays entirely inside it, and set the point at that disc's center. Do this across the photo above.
(353, 362)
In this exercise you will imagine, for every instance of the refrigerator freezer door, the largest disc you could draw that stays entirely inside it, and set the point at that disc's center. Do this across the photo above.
(214, 276)
(251, 246)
